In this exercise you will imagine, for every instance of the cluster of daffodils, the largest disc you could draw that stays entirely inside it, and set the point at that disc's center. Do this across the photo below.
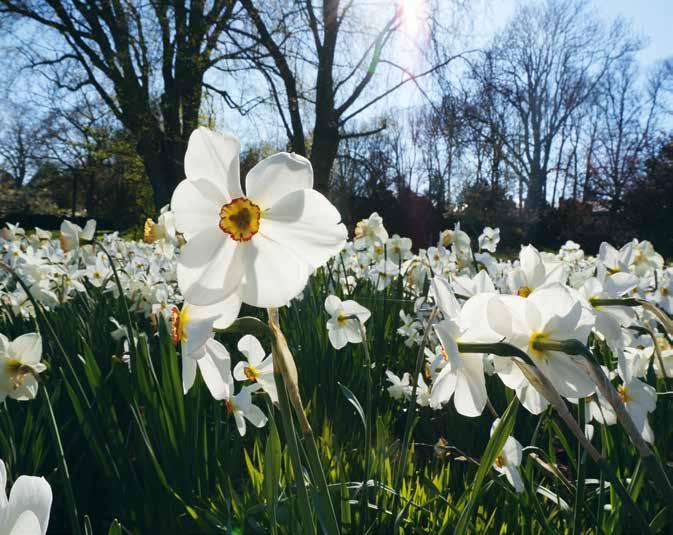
(532, 304)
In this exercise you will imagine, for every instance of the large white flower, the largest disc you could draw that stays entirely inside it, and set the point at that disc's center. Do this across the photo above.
(260, 245)
(20, 366)
(533, 272)
(27, 510)
(550, 313)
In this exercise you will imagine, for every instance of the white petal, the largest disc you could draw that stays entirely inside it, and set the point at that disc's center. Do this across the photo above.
(240, 422)
(308, 224)
(446, 300)
(209, 268)
(214, 157)
(338, 338)
(196, 207)
(27, 348)
(239, 371)
(256, 417)
(470, 396)
(215, 372)
(273, 274)
(443, 387)
(332, 305)
(189, 366)
(26, 524)
(276, 176)
(3, 484)
(252, 349)
(33, 494)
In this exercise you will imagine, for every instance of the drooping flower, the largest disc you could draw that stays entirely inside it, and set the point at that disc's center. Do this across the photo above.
(508, 460)
(342, 327)
(242, 408)
(462, 375)
(28, 508)
(73, 236)
(256, 367)
(260, 245)
(214, 363)
(370, 232)
(192, 326)
(20, 366)
(489, 239)
(399, 388)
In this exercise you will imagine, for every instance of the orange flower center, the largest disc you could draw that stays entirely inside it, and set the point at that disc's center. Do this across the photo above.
(250, 372)
(624, 393)
(240, 219)
(179, 320)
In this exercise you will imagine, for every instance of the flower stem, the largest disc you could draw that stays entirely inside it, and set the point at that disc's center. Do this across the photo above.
(62, 465)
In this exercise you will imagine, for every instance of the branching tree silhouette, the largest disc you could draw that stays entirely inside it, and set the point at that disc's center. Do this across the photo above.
(145, 60)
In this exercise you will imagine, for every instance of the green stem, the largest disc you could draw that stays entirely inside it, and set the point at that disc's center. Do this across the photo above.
(293, 445)
(368, 424)
(62, 465)
(406, 436)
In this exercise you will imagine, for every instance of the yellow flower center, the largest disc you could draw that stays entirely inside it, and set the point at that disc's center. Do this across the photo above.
(524, 291)
(179, 321)
(250, 372)
(665, 291)
(230, 406)
(537, 336)
(148, 231)
(624, 393)
(240, 219)
(499, 461)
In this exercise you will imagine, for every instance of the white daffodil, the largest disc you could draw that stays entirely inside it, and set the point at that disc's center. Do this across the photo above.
(551, 313)
(192, 325)
(462, 376)
(242, 408)
(509, 459)
(489, 239)
(383, 273)
(398, 249)
(467, 287)
(370, 232)
(533, 273)
(399, 388)
(163, 229)
(20, 366)
(639, 398)
(73, 236)
(214, 363)
(27, 510)
(256, 367)
(261, 245)
(645, 259)
(342, 327)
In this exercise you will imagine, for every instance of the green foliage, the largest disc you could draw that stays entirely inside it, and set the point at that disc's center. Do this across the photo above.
(144, 458)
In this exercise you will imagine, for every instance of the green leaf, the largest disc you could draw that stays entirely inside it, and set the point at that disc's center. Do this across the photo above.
(497, 441)
(353, 400)
(272, 460)
(115, 528)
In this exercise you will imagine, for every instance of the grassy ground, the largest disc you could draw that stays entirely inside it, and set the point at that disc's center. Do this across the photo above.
(139, 451)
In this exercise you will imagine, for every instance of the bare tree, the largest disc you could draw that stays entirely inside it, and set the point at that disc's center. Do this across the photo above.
(20, 147)
(542, 67)
(627, 121)
(145, 60)
(320, 66)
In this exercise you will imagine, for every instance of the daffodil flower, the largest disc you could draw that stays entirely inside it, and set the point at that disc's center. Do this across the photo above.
(73, 236)
(462, 376)
(343, 326)
(27, 510)
(214, 363)
(399, 388)
(533, 272)
(20, 366)
(509, 459)
(549, 314)
(241, 407)
(489, 239)
(256, 367)
(261, 245)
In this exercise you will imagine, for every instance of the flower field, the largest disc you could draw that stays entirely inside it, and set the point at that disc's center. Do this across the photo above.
(250, 368)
